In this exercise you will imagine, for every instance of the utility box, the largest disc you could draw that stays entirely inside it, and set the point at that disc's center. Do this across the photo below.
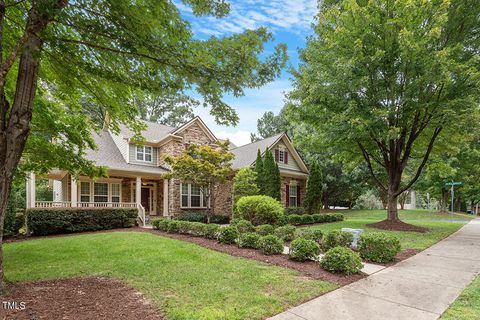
(356, 234)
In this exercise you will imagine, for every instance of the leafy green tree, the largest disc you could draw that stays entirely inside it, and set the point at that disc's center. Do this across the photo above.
(382, 80)
(259, 169)
(173, 110)
(245, 184)
(313, 197)
(205, 166)
(58, 56)
(269, 125)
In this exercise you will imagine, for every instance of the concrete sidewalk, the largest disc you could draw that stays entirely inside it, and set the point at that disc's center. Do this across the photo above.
(421, 287)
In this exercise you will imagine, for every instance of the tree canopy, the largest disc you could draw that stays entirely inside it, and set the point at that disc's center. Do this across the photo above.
(382, 80)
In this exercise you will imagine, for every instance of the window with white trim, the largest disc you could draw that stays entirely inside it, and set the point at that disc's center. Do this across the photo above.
(115, 192)
(143, 153)
(292, 191)
(100, 192)
(281, 156)
(192, 196)
(84, 191)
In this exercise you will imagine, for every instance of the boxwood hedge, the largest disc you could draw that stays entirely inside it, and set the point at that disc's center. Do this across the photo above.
(47, 221)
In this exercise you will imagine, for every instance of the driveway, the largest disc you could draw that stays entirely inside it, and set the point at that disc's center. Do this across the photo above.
(421, 287)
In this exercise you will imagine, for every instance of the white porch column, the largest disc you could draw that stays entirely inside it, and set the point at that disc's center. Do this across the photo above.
(73, 191)
(138, 191)
(31, 191)
(165, 197)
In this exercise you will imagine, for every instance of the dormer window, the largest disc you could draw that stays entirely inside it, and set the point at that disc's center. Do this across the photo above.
(144, 153)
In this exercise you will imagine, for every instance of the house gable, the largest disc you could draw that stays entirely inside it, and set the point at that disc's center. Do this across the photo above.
(292, 160)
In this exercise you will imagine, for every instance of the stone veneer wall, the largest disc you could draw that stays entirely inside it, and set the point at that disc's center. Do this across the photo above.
(223, 199)
(300, 182)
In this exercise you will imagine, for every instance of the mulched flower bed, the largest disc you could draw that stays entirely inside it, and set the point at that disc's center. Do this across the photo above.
(310, 268)
(397, 225)
(79, 299)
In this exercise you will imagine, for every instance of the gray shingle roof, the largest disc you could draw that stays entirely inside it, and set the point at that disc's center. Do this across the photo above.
(246, 155)
(154, 131)
(107, 154)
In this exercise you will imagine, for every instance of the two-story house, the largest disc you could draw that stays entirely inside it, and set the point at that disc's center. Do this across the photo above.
(136, 172)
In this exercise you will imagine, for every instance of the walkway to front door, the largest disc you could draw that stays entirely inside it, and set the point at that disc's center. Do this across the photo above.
(421, 287)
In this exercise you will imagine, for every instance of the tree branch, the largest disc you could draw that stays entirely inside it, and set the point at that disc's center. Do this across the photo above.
(370, 167)
(424, 161)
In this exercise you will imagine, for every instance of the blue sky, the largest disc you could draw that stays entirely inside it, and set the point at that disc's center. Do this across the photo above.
(290, 22)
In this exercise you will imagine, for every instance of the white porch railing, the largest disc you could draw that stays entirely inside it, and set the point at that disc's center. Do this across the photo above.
(68, 204)
(53, 204)
(141, 214)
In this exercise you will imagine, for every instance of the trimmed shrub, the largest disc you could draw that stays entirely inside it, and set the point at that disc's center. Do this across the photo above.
(294, 219)
(378, 247)
(270, 245)
(67, 220)
(310, 234)
(201, 217)
(228, 235)
(211, 231)
(286, 233)
(249, 240)
(174, 226)
(341, 260)
(259, 209)
(337, 238)
(191, 216)
(264, 229)
(295, 210)
(219, 219)
(302, 249)
(307, 219)
(243, 225)
(161, 224)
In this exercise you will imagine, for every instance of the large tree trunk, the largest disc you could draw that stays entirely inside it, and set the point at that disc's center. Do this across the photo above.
(392, 206)
(14, 129)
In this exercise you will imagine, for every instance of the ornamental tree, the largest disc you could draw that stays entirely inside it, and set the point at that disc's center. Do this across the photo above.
(57, 57)
(271, 176)
(382, 80)
(205, 166)
(245, 184)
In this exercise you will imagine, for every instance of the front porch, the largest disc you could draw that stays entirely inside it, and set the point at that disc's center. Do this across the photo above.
(148, 193)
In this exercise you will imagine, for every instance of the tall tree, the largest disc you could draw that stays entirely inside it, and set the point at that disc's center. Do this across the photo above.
(271, 176)
(386, 78)
(313, 197)
(205, 166)
(259, 168)
(57, 55)
(269, 125)
(173, 110)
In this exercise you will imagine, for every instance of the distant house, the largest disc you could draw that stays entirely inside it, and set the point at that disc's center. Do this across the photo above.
(136, 172)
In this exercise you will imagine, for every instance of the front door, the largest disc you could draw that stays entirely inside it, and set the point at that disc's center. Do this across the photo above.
(146, 199)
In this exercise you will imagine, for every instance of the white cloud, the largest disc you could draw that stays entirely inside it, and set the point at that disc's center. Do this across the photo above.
(294, 16)
(239, 137)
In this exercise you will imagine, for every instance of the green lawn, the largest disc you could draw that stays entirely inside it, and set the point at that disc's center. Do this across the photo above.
(184, 280)
(467, 305)
(439, 224)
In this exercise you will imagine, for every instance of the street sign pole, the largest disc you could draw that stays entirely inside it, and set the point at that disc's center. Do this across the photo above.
(452, 191)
